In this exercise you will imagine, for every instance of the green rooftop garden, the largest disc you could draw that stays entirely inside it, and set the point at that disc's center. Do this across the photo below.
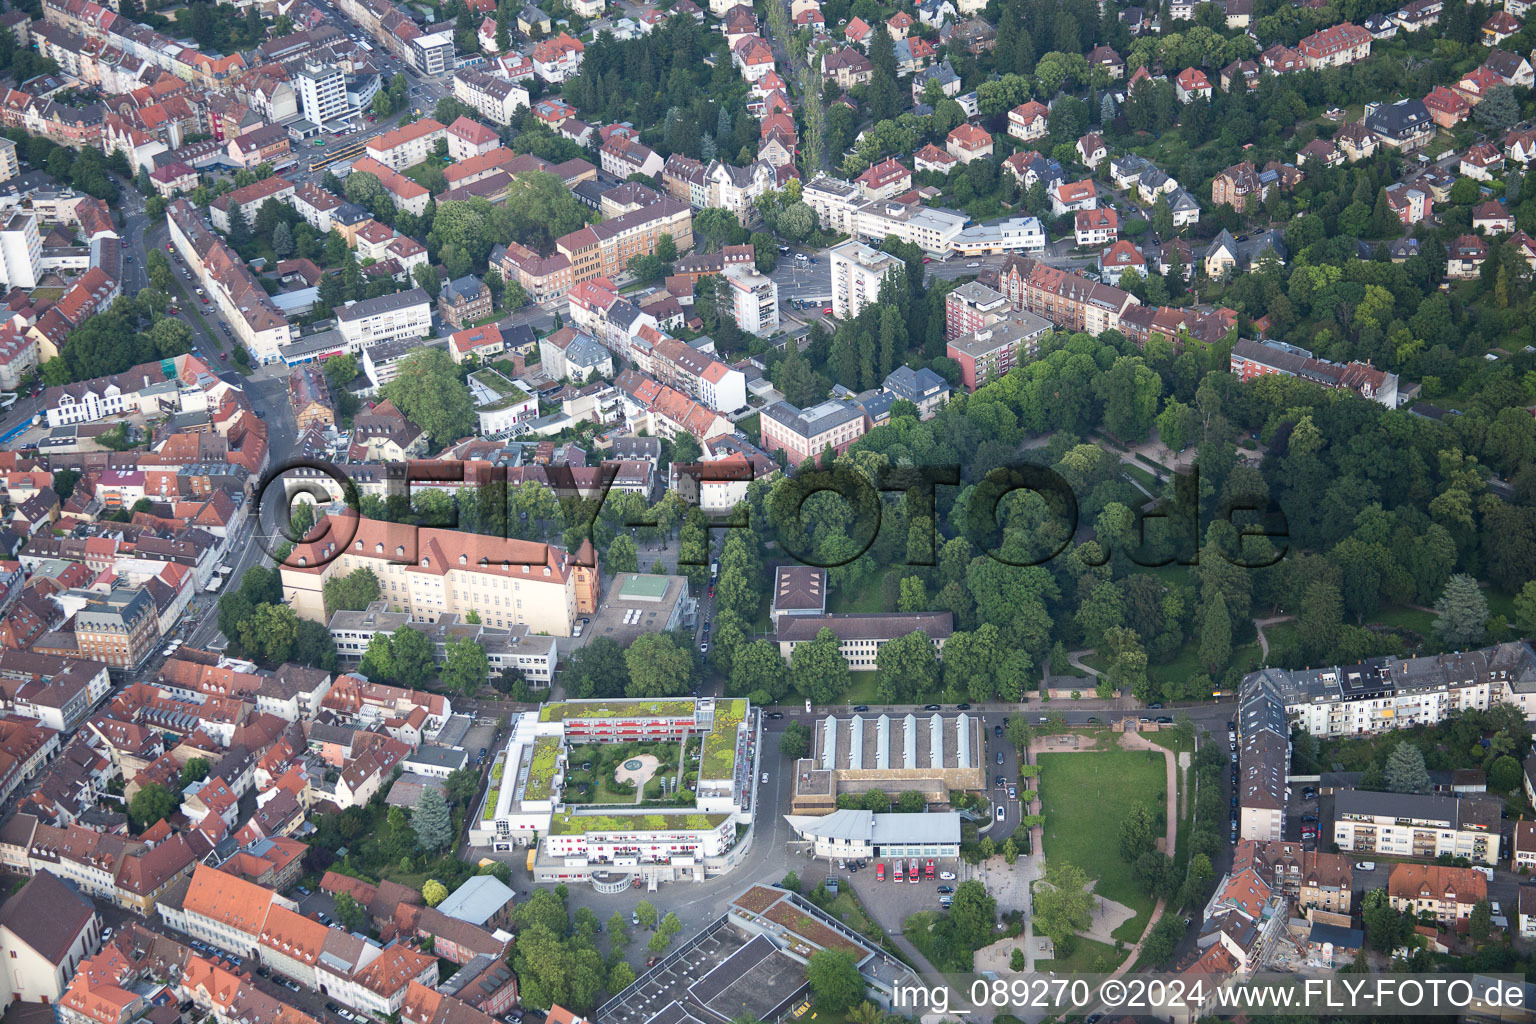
(497, 383)
(488, 809)
(617, 709)
(546, 755)
(719, 759)
(582, 824)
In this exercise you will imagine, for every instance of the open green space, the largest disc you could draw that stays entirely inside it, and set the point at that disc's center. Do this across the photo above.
(1085, 796)
(1086, 954)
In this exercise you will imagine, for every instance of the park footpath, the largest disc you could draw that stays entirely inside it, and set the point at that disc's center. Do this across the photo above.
(1012, 886)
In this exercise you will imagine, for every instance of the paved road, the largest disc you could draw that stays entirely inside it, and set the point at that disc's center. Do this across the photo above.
(264, 388)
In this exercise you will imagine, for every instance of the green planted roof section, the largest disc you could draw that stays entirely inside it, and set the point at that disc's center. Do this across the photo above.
(616, 709)
(719, 759)
(586, 824)
(546, 755)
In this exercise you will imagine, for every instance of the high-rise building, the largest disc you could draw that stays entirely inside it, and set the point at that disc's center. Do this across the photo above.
(322, 92)
(756, 300)
(9, 168)
(857, 271)
(21, 251)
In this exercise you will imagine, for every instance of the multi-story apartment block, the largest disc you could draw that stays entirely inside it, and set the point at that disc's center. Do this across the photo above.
(1252, 359)
(885, 180)
(322, 90)
(1312, 879)
(402, 315)
(542, 277)
(408, 145)
(754, 300)
(857, 272)
(427, 572)
(971, 307)
(1448, 894)
(806, 434)
(497, 98)
(21, 251)
(696, 374)
(1068, 300)
(1395, 693)
(1336, 46)
(555, 60)
(993, 349)
(605, 249)
(315, 205)
(248, 200)
(9, 166)
(469, 138)
(1423, 827)
(119, 629)
(259, 324)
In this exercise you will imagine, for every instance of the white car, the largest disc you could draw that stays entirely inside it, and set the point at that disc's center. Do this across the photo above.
(999, 814)
(765, 778)
(948, 876)
(1365, 865)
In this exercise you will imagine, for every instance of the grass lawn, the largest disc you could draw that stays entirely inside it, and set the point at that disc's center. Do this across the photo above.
(1142, 476)
(1085, 797)
(416, 171)
(870, 598)
(1083, 958)
(861, 688)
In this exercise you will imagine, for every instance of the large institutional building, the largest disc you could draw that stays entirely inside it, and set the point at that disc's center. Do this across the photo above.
(530, 800)
(428, 572)
(930, 754)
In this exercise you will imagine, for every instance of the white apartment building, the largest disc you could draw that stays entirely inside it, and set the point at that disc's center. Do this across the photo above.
(1410, 825)
(386, 318)
(498, 99)
(322, 92)
(407, 146)
(755, 300)
(857, 271)
(933, 230)
(1396, 693)
(9, 167)
(21, 251)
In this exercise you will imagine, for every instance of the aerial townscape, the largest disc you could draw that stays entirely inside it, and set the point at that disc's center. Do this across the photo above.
(763, 511)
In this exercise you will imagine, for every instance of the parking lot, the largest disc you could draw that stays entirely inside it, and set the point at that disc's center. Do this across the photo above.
(890, 902)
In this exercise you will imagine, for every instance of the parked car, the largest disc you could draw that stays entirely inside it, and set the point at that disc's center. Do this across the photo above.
(946, 889)
(947, 876)
(775, 715)
(1365, 865)
(932, 707)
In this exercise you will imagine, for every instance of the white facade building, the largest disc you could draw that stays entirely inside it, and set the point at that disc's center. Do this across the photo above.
(755, 300)
(21, 251)
(386, 318)
(857, 271)
(322, 92)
